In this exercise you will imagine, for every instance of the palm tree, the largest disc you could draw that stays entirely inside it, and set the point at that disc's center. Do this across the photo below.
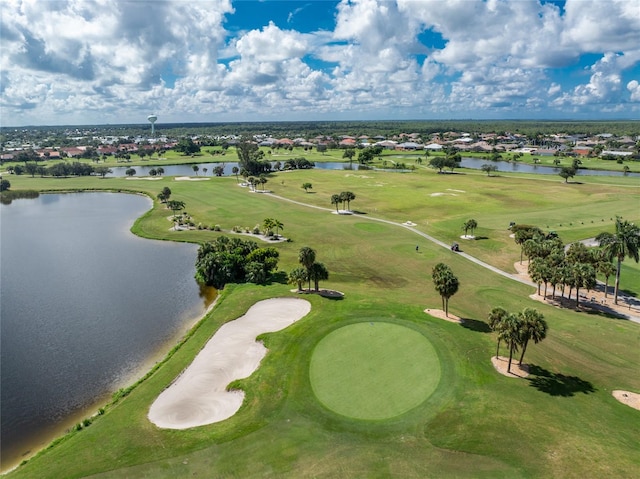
(306, 257)
(624, 242)
(175, 206)
(268, 225)
(347, 196)
(235, 170)
(496, 318)
(606, 269)
(195, 168)
(336, 200)
(473, 224)
(160, 171)
(263, 181)
(318, 272)
(278, 225)
(584, 276)
(534, 327)
(298, 276)
(445, 283)
(510, 333)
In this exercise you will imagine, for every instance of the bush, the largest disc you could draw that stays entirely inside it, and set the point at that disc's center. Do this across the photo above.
(256, 230)
(216, 228)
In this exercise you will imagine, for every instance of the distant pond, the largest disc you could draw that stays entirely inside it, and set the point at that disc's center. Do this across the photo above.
(87, 308)
(467, 162)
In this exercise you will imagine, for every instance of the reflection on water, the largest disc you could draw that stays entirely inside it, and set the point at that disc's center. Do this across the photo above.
(85, 305)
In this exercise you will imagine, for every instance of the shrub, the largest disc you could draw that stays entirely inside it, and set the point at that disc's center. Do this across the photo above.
(216, 228)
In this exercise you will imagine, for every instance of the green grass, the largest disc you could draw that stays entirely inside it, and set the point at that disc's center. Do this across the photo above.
(373, 370)
(562, 422)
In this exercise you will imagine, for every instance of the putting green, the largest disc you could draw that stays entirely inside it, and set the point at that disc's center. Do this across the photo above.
(374, 370)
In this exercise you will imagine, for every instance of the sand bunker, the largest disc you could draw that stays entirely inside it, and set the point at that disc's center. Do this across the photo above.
(501, 364)
(440, 314)
(189, 178)
(198, 396)
(628, 398)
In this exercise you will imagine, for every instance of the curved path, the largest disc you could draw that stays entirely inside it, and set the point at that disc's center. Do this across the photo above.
(514, 277)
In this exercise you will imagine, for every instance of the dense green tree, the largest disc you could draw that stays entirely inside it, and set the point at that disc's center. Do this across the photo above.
(102, 171)
(250, 157)
(195, 169)
(625, 242)
(4, 184)
(130, 172)
(307, 187)
(31, 168)
(567, 172)
(186, 146)
(488, 169)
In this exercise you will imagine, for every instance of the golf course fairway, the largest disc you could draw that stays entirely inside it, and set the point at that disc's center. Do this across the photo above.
(374, 370)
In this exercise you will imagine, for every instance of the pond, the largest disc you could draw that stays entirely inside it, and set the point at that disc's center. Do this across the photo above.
(87, 308)
(467, 162)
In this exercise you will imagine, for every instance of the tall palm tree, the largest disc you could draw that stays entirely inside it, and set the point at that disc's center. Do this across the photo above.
(445, 283)
(306, 257)
(336, 200)
(510, 333)
(268, 224)
(534, 328)
(606, 269)
(496, 319)
(235, 170)
(318, 272)
(278, 225)
(473, 224)
(624, 242)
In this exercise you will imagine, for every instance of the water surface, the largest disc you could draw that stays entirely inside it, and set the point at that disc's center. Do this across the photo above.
(86, 306)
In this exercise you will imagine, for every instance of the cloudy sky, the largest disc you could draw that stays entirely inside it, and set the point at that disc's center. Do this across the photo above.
(117, 61)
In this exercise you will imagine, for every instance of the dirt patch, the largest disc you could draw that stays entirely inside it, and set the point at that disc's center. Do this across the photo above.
(628, 398)
(440, 314)
(500, 363)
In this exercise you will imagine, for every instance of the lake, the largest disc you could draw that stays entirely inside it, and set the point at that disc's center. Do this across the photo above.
(408, 159)
(87, 308)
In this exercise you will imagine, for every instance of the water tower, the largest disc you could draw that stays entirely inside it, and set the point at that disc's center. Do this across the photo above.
(152, 119)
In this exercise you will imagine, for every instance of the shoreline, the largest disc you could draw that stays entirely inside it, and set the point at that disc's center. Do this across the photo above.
(31, 448)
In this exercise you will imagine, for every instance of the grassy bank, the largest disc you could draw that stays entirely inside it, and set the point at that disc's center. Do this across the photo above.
(561, 422)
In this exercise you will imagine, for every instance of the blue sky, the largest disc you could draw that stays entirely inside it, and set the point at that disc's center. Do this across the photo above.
(116, 61)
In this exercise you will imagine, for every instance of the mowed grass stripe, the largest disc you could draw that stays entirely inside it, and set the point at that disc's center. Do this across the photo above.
(374, 370)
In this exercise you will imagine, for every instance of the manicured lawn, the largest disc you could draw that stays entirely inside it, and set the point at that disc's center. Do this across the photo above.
(561, 422)
(373, 370)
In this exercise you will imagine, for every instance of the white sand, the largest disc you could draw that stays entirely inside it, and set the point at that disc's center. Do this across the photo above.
(189, 178)
(198, 396)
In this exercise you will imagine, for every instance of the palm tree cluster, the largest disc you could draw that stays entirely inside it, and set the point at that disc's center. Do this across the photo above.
(550, 263)
(577, 266)
(270, 224)
(469, 225)
(517, 329)
(344, 197)
(445, 283)
(625, 242)
(310, 270)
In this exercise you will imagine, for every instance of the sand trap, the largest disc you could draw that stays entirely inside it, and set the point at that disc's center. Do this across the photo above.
(440, 314)
(467, 237)
(342, 212)
(189, 178)
(628, 398)
(501, 363)
(149, 178)
(198, 396)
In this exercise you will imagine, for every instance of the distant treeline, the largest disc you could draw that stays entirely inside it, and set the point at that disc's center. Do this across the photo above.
(311, 129)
